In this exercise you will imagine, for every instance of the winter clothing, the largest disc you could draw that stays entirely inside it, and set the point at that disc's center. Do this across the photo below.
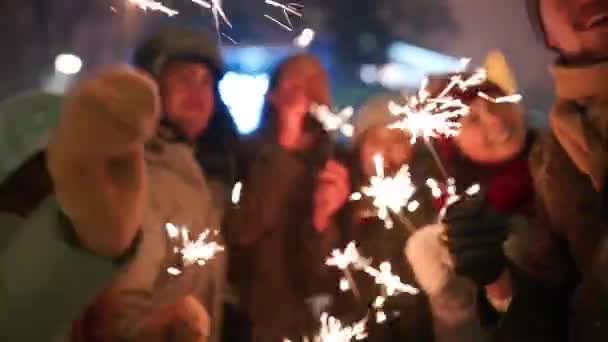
(452, 297)
(179, 195)
(216, 148)
(178, 44)
(475, 237)
(408, 316)
(47, 278)
(277, 255)
(568, 258)
(459, 307)
(25, 123)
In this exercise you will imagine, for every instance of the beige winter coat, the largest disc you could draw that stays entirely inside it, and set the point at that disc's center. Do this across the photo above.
(179, 194)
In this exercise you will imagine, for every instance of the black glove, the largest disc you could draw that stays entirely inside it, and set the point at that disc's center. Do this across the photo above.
(475, 237)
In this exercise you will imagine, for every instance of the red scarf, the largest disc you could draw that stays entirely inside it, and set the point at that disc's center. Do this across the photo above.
(508, 185)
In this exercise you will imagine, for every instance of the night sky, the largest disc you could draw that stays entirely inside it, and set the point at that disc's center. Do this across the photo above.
(353, 32)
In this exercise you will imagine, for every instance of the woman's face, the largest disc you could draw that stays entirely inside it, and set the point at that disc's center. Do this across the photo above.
(302, 81)
(392, 144)
(187, 91)
(492, 132)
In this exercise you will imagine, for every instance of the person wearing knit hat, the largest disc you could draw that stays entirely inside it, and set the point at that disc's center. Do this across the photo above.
(145, 302)
(407, 317)
(373, 136)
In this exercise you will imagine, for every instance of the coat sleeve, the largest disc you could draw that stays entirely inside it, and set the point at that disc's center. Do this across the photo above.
(46, 279)
(543, 280)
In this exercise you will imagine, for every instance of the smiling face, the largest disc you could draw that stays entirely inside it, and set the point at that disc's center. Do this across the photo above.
(492, 132)
(577, 28)
(187, 91)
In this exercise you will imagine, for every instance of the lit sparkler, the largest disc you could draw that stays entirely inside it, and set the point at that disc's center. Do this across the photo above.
(332, 330)
(197, 251)
(350, 257)
(390, 194)
(288, 10)
(331, 121)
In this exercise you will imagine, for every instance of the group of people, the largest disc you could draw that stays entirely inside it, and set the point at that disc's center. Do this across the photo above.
(143, 148)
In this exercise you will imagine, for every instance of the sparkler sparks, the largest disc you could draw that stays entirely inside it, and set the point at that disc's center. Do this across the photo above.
(334, 121)
(154, 6)
(216, 9)
(390, 194)
(332, 330)
(288, 10)
(350, 257)
(197, 251)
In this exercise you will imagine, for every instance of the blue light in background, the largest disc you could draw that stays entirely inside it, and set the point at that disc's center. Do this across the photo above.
(244, 95)
(427, 61)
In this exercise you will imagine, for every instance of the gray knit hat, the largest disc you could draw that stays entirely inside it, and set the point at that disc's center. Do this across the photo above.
(374, 113)
(178, 44)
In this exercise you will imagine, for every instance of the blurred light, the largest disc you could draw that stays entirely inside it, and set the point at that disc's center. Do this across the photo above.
(392, 75)
(254, 59)
(244, 95)
(368, 73)
(305, 38)
(68, 64)
(427, 61)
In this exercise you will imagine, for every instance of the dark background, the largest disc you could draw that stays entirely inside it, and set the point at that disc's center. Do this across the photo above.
(349, 33)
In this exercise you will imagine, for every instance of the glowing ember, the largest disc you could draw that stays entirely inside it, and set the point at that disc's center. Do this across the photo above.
(334, 121)
(305, 38)
(236, 192)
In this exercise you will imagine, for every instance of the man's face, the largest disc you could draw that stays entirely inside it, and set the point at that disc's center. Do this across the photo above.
(188, 96)
(577, 28)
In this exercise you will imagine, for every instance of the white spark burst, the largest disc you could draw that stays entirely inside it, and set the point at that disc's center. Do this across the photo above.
(198, 251)
(383, 276)
(338, 121)
(389, 194)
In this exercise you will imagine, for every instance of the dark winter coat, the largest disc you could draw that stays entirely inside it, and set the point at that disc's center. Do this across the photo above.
(564, 292)
(277, 257)
(567, 266)
(408, 316)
